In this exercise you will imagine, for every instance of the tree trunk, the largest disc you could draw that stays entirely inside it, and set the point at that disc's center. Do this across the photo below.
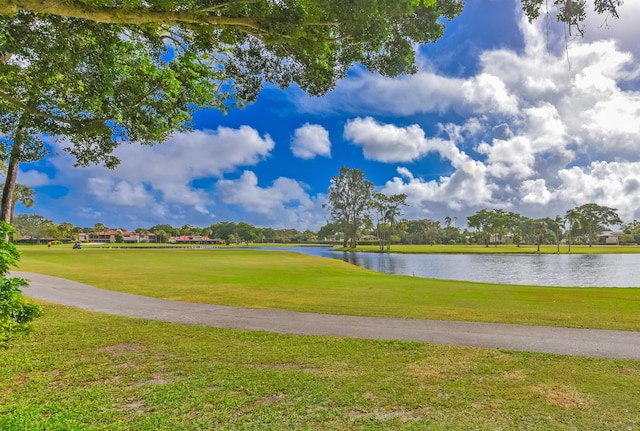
(139, 16)
(10, 182)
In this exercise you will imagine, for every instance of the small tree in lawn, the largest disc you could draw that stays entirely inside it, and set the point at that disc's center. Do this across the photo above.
(386, 212)
(482, 222)
(573, 218)
(15, 313)
(350, 196)
(594, 219)
(556, 226)
(539, 229)
(515, 224)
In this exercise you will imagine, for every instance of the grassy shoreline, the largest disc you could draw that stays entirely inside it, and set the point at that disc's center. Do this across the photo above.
(291, 281)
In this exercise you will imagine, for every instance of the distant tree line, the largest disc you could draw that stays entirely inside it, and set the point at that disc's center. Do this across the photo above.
(35, 227)
(580, 225)
(234, 233)
(359, 214)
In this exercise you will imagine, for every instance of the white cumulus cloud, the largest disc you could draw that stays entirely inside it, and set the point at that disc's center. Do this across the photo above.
(614, 184)
(465, 188)
(390, 143)
(311, 140)
(535, 192)
(33, 178)
(285, 203)
(159, 180)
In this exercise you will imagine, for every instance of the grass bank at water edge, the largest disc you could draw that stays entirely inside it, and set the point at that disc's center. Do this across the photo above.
(291, 281)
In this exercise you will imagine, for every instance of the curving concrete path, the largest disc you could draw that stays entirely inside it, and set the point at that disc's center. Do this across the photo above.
(568, 341)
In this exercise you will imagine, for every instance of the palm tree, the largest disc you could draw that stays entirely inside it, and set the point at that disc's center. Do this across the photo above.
(66, 230)
(556, 224)
(22, 194)
(99, 228)
(539, 228)
(573, 218)
(160, 235)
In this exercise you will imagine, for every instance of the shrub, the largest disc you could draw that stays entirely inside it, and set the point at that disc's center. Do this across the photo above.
(627, 239)
(16, 313)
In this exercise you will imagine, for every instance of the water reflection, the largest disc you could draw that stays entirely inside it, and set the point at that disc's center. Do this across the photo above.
(387, 266)
(603, 270)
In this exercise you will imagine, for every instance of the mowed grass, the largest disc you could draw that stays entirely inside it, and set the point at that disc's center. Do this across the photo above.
(92, 371)
(292, 281)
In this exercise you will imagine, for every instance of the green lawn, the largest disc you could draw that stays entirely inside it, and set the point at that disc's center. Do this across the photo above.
(292, 281)
(92, 371)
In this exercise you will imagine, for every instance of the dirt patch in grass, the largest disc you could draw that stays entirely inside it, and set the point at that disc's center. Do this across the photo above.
(401, 415)
(136, 406)
(22, 379)
(630, 371)
(160, 378)
(266, 401)
(516, 375)
(271, 399)
(562, 396)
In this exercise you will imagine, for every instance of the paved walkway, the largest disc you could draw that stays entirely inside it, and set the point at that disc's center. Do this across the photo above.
(569, 341)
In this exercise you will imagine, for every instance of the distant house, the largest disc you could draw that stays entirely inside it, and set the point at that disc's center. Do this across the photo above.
(507, 238)
(108, 237)
(38, 240)
(98, 237)
(193, 239)
(609, 237)
(136, 238)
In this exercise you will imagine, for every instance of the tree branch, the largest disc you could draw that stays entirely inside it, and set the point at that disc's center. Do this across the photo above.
(221, 6)
(37, 113)
(138, 16)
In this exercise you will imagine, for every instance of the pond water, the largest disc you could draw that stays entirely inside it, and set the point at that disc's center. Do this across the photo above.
(601, 270)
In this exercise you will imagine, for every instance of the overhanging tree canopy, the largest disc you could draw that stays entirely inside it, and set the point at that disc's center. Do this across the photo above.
(102, 72)
(570, 12)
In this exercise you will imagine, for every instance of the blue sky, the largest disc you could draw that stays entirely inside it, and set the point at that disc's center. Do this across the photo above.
(502, 114)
